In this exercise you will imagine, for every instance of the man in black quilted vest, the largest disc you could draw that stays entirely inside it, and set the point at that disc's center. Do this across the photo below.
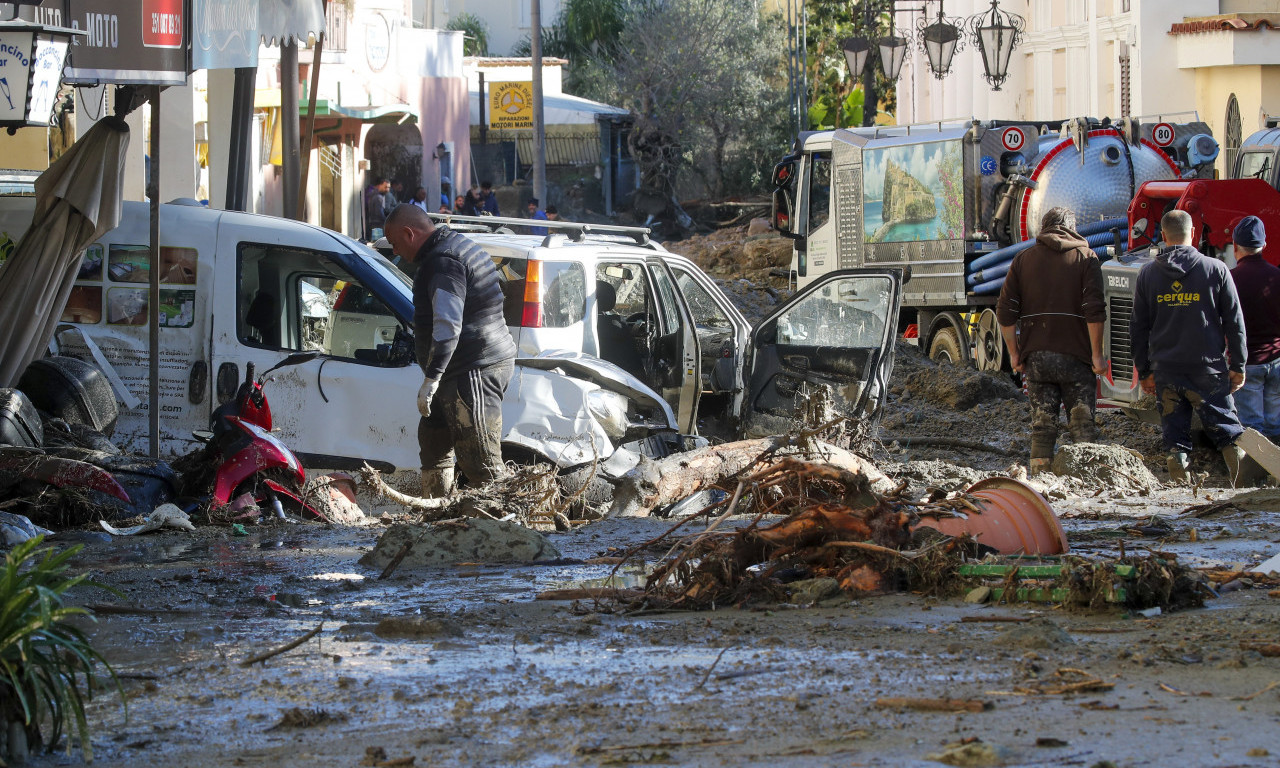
(463, 346)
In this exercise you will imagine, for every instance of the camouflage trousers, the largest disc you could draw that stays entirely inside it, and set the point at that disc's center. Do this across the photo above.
(465, 425)
(1054, 381)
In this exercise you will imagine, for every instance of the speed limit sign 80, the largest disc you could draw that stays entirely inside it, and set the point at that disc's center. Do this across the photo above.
(1162, 134)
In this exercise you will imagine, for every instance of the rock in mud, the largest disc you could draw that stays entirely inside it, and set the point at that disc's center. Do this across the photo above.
(469, 541)
(416, 628)
(960, 388)
(1105, 466)
(813, 591)
(969, 754)
(1035, 635)
(1259, 500)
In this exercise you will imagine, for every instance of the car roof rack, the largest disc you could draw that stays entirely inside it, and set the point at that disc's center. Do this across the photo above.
(575, 231)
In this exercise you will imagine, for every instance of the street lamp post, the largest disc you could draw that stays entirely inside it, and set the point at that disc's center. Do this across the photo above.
(996, 33)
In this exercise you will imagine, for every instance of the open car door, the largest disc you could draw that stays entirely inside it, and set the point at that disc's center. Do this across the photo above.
(838, 334)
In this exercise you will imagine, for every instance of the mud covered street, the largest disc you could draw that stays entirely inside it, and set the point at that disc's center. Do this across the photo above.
(460, 665)
(463, 665)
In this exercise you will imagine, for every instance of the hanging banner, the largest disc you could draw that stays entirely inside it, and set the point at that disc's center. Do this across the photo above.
(511, 105)
(224, 34)
(138, 42)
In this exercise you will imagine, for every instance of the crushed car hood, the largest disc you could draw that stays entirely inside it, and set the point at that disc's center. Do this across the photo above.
(605, 374)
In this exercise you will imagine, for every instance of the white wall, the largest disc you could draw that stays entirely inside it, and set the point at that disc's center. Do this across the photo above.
(1066, 66)
(508, 21)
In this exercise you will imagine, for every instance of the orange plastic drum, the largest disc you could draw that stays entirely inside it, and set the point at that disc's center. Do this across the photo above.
(1015, 519)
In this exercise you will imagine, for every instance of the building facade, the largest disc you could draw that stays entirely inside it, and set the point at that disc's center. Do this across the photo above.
(1213, 59)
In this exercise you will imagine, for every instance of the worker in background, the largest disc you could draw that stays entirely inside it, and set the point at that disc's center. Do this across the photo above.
(1188, 342)
(1258, 286)
(473, 202)
(463, 346)
(537, 214)
(488, 200)
(553, 213)
(375, 207)
(420, 198)
(1051, 314)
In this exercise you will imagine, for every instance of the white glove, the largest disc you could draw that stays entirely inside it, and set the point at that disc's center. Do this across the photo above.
(428, 391)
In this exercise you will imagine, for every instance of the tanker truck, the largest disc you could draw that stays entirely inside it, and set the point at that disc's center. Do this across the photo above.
(951, 203)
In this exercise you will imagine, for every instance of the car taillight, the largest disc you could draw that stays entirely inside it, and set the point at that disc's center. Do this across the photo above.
(782, 222)
(531, 316)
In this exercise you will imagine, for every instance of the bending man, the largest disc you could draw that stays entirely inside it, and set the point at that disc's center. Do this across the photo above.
(463, 346)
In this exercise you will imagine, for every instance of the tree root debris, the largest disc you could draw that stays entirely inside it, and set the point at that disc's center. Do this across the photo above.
(529, 495)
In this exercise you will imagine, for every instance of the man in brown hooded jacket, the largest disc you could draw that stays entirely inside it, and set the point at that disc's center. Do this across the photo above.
(1051, 313)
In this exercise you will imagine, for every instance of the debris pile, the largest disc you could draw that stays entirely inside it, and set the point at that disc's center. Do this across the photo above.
(862, 549)
(1105, 466)
(529, 495)
(750, 264)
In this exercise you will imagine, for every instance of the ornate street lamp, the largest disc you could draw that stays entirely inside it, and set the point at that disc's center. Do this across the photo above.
(893, 51)
(996, 33)
(31, 60)
(940, 41)
(856, 51)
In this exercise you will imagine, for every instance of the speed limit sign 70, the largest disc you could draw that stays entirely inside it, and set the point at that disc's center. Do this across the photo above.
(1162, 134)
(1013, 139)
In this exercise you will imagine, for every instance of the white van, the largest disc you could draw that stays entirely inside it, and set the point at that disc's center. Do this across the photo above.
(241, 288)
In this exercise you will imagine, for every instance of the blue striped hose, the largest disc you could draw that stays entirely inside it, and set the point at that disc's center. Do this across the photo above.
(989, 273)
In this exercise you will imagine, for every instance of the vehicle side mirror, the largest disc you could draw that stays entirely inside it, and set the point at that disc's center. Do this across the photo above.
(399, 352)
(784, 198)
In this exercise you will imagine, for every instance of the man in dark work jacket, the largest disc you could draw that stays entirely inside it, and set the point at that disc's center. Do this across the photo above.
(1188, 340)
(463, 346)
(1051, 313)
(1258, 285)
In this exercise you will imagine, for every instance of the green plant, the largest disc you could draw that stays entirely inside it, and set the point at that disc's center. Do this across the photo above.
(44, 659)
(475, 33)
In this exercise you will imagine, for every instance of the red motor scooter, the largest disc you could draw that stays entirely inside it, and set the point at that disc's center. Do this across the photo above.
(250, 460)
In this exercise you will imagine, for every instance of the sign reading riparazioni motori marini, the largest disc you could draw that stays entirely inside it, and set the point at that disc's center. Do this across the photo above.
(511, 105)
(127, 41)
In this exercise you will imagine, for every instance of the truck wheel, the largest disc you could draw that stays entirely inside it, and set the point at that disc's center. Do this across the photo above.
(989, 349)
(945, 347)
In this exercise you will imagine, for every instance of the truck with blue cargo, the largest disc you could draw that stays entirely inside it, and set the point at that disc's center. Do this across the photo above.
(951, 204)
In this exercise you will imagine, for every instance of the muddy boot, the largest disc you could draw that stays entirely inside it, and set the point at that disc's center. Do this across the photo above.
(437, 483)
(1233, 455)
(1177, 464)
(1040, 466)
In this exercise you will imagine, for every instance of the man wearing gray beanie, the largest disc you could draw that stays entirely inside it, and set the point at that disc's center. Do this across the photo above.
(1258, 284)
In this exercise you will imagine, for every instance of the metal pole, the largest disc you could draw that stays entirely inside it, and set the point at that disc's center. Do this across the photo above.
(316, 53)
(289, 124)
(539, 126)
(153, 293)
(870, 100)
(484, 104)
(804, 71)
(240, 144)
(791, 66)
